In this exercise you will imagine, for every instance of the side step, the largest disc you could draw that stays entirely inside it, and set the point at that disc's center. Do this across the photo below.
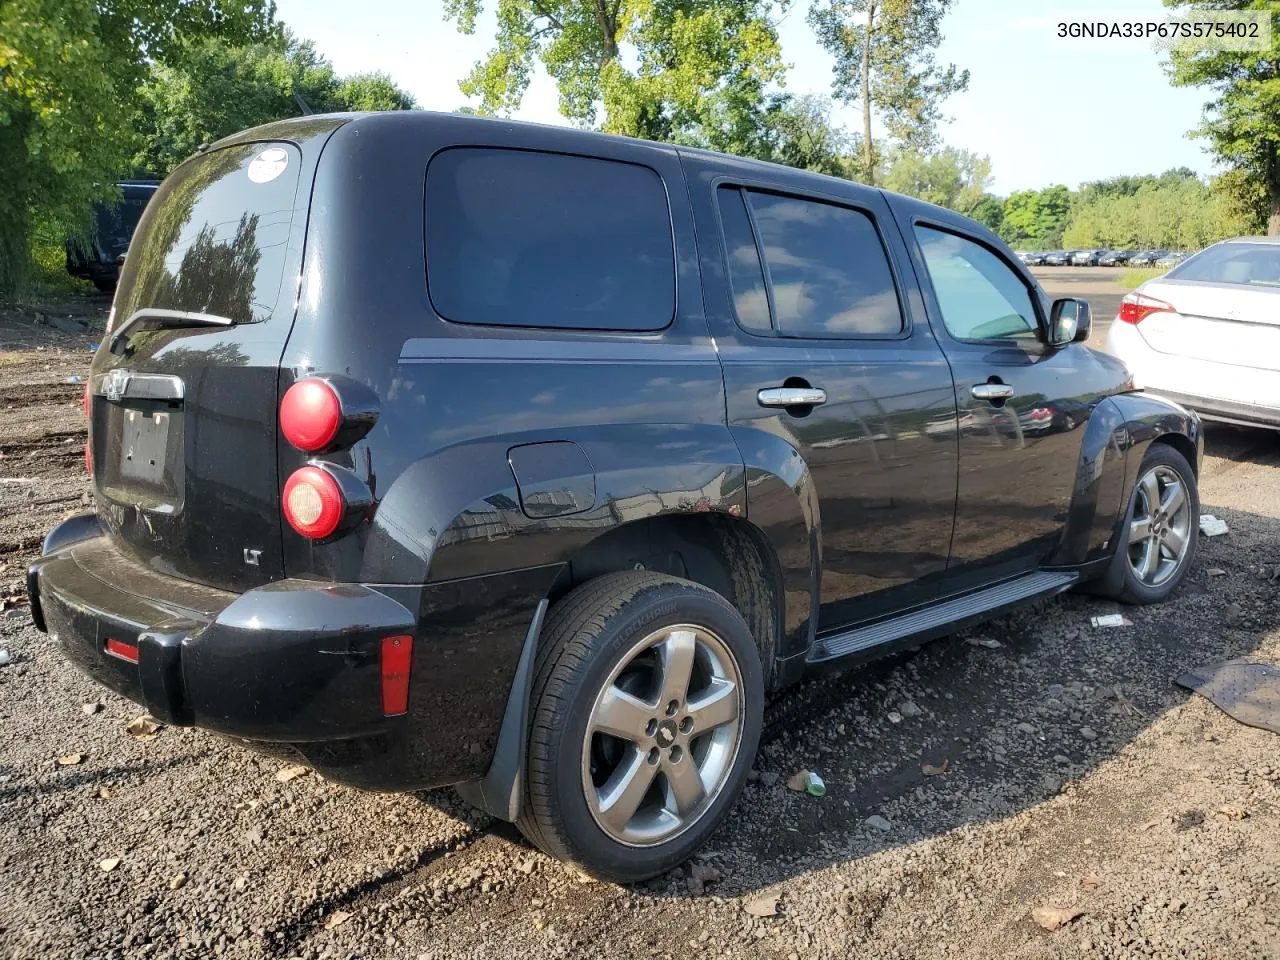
(946, 617)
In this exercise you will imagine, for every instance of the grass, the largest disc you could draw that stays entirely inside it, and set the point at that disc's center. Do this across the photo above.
(1134, 276)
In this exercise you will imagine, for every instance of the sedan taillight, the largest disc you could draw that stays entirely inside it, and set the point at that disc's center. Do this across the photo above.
(1136, 307)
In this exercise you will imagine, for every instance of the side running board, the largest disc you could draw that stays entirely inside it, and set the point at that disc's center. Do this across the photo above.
(946, 617)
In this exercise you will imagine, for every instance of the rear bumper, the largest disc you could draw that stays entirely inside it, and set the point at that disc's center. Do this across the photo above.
(294, 664)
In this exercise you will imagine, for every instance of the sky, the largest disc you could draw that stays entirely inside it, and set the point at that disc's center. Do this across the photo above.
(1045, 110)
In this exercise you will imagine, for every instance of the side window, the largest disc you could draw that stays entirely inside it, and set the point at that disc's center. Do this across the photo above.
(746, 276)
(979, 296)
(828, 269)
(521, 238)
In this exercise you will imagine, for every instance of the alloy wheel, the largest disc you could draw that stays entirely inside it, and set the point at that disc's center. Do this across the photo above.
(663, 735)
(1160, 526)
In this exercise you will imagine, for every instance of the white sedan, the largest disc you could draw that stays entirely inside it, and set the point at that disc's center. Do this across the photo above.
(1207, 333)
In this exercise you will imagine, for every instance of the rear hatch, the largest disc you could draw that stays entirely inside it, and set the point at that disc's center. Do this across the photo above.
(183, 431)
(1226, 323)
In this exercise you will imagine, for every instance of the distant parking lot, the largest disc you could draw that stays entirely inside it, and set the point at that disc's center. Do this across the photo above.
(1096, 284)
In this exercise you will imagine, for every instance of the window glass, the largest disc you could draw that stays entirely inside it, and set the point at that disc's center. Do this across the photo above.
(746, 276)
(216, 237)
(979, 296)
(1248, 263)
(828, 268)
(532, 239)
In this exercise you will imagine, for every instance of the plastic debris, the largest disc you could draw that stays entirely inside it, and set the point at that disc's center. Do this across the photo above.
(935, 770)
(5, 658)
(74, 378)
(986, 642)
(1211, 526)
(806, 781)
(1111, 620)
(144, 727)
(291, 773)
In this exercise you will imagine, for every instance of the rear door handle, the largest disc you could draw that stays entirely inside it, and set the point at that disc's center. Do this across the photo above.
(991, 391)
(791, 396)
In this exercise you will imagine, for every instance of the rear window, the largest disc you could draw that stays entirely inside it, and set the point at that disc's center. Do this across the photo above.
(215, 237)
(521, 238)
(1247, 263)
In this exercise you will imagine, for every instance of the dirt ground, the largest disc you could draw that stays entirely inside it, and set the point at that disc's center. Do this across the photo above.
(1065, 769)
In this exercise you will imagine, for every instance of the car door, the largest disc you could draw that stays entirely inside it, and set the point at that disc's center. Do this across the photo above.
(1021, 403)
(816, 336)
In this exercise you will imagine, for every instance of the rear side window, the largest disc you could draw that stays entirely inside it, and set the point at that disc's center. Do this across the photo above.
(827, 269)
(215, 237)
(746, 276)
(521, 238)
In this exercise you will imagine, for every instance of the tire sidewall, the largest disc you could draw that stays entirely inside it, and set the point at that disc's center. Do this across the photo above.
(1134, 589)
(651, 610)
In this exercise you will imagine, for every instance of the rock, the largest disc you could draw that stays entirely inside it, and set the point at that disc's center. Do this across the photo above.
(1088, 733)
(291, 773)
(768, 778)
(1051, 783)
(177, 882)
(762, 907)
(908, 708)
(935, 770)
(986, 642)
(70, 759)
(895, 716)
(1232, 612)
(1025, 728)
(1051, 918)
(144, 727)
(700, 875)
(798, 781)
(336, 919)
(526, 866)
(877, 822)
(1061, 759)
(89, 709)
(109, 864)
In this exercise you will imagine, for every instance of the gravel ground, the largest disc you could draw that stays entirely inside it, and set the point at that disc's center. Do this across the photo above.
(1064, 769)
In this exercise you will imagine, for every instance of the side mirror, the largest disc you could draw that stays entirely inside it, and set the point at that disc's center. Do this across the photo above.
(1070, 321)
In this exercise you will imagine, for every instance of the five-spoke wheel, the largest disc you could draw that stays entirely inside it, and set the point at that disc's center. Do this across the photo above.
(1160, 526)
(647, 703)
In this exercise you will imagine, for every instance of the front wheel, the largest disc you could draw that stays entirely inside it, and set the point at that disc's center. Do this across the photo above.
(1161, 533)
(647, 704)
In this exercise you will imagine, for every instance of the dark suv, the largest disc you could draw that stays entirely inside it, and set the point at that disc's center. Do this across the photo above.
(97, 258)
(437, 450)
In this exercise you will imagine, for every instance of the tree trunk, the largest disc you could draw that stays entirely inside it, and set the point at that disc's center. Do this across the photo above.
(868, 154)
(1273, 190)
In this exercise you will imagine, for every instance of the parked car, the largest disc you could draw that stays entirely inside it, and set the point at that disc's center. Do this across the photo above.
(1205, 333)
(1146, 258)
(1085, 258)
(1058, 258)
(540, 487)
(1115, 258)
(97, 258)
(1172, 259)
(1033, 258)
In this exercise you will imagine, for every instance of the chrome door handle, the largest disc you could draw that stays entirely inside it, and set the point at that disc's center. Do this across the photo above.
(991, 391)
(791, 396)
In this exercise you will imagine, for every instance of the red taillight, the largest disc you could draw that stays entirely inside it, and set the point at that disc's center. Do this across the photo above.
(310, 415)
(397, 652)
(88, 457)
(1136, 307)
(125, 651)
(313, 502)
(85, 403)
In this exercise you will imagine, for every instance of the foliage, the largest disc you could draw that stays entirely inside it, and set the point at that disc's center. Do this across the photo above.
(1137, 276)
(952, 178)
(218, 89)
(68, 74)
(1242, 120)
(696, 71)
(1036, 218)
(801, 133)
(1170, 212)
(885, 60)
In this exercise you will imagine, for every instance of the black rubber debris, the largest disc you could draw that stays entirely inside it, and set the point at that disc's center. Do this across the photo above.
(1248, 692)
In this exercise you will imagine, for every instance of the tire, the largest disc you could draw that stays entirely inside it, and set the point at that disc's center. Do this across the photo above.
(1123, 581)
(104, 285)
(592, 647)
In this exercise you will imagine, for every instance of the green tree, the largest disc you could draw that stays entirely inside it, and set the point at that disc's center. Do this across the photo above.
(69, 70)
(957, 179)
(803, 135)
(696, 71)
(885, 52)
(218, 89)
(372, 91)
(1166, 211)
(1242, 120)
(1036, 217)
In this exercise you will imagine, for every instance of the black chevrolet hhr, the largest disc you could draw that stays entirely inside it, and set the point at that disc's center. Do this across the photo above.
(434, 450)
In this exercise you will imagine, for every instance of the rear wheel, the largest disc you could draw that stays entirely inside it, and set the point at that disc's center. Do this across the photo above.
(1161, 532)
(647, 704)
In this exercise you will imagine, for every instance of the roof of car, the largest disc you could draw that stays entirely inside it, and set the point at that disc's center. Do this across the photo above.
(1253, 240)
